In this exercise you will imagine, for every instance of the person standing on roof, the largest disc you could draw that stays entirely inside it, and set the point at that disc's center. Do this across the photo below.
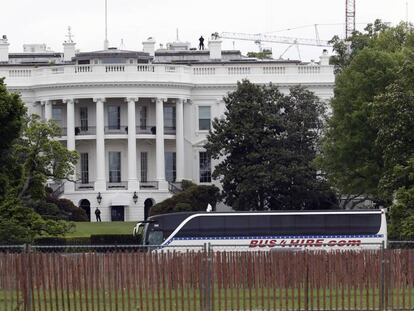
(201, 44)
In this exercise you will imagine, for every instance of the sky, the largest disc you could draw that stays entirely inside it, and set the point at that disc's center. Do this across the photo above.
(132, 21)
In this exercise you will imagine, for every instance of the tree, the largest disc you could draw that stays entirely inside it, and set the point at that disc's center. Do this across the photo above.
(12, 112)
(347, 49)
(266, 144)
(265, 54)
(352, 154)
(30, 154)
(42, 157)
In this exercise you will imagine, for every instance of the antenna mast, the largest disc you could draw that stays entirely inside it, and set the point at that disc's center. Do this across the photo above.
(349, 18)
(406, 13)
(106, 43)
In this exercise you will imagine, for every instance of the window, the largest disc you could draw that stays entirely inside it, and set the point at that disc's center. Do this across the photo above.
(169, 117)
(143, 117)
(84, 168)
(144, 166)
(57, 115)
(114, 167)
(204, 118)
(170, 168)
(249, 225)
(84, 118)
(205, 167)
(114, 117)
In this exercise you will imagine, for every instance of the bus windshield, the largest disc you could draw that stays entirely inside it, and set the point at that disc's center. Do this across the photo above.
(155, 237)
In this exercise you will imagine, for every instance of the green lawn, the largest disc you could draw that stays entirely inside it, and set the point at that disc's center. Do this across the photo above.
(85, 229)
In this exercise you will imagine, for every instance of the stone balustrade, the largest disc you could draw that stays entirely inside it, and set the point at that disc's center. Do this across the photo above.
(197, 74)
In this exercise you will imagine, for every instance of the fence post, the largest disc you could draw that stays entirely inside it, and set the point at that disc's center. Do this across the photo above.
(306, 285)
(382, 271)
(28, 278)
(207, 278)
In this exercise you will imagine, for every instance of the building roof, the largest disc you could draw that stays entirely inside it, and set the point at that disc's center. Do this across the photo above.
(112, 53)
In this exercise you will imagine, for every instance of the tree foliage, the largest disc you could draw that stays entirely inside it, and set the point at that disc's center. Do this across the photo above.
(266, 145)
(354, 153)
(12, 111)
(192, 198)
(30, 155)
(265, 54)
(42, 157)
(368, 148)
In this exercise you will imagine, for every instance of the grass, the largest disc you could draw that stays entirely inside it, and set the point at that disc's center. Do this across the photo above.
(190, 299)
(86, 229)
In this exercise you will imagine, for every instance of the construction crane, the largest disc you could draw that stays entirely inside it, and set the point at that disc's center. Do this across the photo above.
(259, 38)
(349, 18)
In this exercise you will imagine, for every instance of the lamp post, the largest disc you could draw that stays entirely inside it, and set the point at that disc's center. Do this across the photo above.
(135, 197)
(99, 198)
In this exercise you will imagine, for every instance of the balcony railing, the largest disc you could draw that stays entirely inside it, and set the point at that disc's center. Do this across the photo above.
(123, 129)
(169, 130)
(152, 130)
(260, 72)
(175, 187)
(117, 185)
(90, 130)
(148, 185)
(58, 188)
(146, 130)
(79, 186)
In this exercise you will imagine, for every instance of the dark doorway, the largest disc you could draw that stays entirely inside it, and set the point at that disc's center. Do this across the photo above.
(117, 213)
(86, 206)
(148, 203)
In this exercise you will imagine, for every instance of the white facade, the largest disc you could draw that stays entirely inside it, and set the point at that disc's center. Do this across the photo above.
(98, 97)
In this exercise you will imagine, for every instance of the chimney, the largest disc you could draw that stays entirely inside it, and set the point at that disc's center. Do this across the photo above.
(4, 49)
(214, 45)
(149, 46)
(69, 47)
(68, 51)
(324, 58)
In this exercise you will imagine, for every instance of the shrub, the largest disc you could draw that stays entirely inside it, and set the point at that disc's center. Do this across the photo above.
(185, 184)
(62, 241)
(182, 207)
(114, 239)
(68, 210)
(192, 198)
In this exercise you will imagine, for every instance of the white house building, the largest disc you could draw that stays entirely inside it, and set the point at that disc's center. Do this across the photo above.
(139, 119)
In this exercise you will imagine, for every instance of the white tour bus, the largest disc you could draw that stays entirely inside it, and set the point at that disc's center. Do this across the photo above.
(274, 230)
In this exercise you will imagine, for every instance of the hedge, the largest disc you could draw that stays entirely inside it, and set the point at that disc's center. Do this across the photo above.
(96, 239)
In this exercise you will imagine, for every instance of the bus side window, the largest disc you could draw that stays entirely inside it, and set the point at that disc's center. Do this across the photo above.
(236, 226)
(365, 223)
(283, 224)
(259, 225)
(190, 229)
(212, 226)
(337, 224)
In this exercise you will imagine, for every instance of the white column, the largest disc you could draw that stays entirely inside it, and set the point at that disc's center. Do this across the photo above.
(132, 146)
(160, 156)
(100, 182)
(70, 125)
(48, 110)
(179, 141)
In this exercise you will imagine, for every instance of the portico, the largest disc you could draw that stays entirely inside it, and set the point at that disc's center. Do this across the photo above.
(137, 112)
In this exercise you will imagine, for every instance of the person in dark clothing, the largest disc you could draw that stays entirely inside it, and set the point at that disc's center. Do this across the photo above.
(98, 215)
(201, 45)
